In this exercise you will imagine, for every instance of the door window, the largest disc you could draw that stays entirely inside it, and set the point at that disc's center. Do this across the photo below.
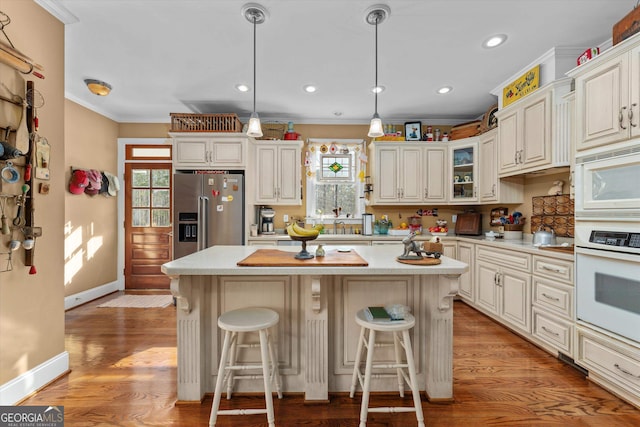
(150, 197)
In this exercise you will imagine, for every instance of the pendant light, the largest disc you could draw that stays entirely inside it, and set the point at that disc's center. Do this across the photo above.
(376, 15)
(255, 14)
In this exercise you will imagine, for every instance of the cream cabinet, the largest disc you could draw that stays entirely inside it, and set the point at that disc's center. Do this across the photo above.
(209, 151)
(493, 189)
(608, 96)
(533, 133)
(278, 172)
(612, 363)
(466, 254)
(434, 179)
(397, 173)
(553, 309)
(463, 172)
(503, 281)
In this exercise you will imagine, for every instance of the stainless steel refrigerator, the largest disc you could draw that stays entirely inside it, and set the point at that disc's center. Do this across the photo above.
(208, 209)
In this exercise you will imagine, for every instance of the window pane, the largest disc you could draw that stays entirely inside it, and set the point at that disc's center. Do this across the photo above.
(140, 178)
(335, 167)
(331, 196)
(160, 217)
(140, 198)
(140, 217)
(151, 152)
(161, 199)
(160, 178)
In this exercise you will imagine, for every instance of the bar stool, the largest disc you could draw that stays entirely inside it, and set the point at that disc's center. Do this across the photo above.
(400, 330)
(254, 319)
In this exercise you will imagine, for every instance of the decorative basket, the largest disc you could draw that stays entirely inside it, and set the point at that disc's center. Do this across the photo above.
(186, 122)
(273, 131)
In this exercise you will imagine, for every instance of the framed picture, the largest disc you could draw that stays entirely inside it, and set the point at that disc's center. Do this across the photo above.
(412, 131)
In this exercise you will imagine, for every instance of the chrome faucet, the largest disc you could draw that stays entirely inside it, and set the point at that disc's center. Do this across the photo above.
(335, 226)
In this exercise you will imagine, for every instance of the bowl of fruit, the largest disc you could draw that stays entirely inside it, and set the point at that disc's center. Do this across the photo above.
(438, 231)
(303, 235)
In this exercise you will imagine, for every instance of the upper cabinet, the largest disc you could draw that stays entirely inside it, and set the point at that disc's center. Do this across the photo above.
(608, 96)
(278, 172)
(435, 179)
(491, 188)
(397, 173)
(209, 151)
(533, 133)
(463, 158)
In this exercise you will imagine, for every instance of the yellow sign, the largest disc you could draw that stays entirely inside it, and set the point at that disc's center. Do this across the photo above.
(522, 86)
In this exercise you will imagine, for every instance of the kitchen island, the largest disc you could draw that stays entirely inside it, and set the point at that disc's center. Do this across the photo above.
(317, 333)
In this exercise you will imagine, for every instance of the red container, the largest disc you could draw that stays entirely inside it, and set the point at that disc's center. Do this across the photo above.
(291, 136)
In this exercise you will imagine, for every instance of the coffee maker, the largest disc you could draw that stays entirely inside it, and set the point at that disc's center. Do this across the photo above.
(265, 220)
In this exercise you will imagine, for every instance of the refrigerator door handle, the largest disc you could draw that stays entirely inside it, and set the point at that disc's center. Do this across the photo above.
(203, 222)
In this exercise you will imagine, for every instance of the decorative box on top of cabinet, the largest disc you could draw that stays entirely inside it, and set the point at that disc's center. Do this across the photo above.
(493, 189)
(209, 150)
(278, 174)
(534, 132)
(608, 96)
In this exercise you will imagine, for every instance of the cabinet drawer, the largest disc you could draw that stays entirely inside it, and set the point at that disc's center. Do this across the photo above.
(504, 258)
(553, 296)
(553, 268)
(553, 330)
(610, 359)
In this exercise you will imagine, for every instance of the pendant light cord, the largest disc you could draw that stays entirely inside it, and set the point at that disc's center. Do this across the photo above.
(376, 56)
(254, 63)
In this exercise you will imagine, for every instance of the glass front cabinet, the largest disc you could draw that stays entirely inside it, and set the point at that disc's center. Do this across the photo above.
(463, 157)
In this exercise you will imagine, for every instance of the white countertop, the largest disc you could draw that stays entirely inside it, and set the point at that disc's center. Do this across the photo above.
(222, 260)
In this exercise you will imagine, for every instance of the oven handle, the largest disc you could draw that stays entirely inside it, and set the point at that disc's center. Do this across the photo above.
(604, 253)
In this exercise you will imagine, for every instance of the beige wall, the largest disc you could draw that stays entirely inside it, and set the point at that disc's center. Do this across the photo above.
(32, 306)
(91, 221)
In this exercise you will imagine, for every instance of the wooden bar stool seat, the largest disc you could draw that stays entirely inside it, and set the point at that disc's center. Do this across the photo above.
(254, 319)
(401, 340)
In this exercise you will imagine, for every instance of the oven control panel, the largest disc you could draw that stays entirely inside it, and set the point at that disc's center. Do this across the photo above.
(615, 238)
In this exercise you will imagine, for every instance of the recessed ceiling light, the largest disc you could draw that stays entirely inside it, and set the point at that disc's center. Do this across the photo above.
(445, 89)
(242, 87)
(378, 89)
(310, 88)
(494, 41)
(337, 113)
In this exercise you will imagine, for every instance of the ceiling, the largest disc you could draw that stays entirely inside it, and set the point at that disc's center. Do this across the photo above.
(181, 56)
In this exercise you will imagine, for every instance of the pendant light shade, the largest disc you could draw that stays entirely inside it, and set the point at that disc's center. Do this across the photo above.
(255, 14)
(374, 16)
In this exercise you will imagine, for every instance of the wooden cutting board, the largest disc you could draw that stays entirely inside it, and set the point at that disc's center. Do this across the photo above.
(278, 258)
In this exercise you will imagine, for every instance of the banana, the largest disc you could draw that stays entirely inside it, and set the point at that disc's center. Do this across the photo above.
(291, 232)
(304, 232)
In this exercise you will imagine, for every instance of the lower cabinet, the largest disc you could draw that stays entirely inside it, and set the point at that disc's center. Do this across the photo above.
(503, 283)
(612, 363)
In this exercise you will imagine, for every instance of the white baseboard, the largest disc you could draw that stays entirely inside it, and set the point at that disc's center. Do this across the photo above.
(22, 386)
(91, 294)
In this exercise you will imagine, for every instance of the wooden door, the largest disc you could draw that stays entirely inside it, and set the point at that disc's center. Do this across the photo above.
(148, 236)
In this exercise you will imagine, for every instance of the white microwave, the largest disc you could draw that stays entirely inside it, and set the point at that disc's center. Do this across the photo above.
(608, 185)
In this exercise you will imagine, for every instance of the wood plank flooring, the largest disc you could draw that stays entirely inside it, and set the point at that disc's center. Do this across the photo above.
(123, 363)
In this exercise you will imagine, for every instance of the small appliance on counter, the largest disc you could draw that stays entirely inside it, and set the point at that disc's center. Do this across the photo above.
(469, 224)
(265, 220)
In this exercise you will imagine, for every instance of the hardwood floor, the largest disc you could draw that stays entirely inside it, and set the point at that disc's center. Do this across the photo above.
(123, 363)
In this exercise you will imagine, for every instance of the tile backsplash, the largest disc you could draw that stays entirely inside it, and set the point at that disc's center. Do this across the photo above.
(554, 212)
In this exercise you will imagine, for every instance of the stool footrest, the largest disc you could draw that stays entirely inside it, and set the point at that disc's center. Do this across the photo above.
(392, 410)
(242, 411)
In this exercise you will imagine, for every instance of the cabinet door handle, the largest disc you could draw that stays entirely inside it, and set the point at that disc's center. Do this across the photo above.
(495, 278)
(426, 193)
(552, 298)
(624, 371)
(631, 115)
(493, 190)
(549, 331)
(621, 117)
(555, 270)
